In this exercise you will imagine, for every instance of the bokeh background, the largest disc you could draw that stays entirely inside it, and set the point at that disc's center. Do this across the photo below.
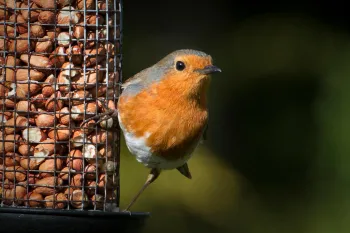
(278, 150)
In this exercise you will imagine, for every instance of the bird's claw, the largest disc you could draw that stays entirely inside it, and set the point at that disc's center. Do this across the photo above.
(127, 211)
(109, 113)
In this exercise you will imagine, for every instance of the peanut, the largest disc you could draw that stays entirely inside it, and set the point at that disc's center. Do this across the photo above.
(59, 199)
(51, 165)
(79, 199)
(35, 199)
(15, 194)
(47, 186)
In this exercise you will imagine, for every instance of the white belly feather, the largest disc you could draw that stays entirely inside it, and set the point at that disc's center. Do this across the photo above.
(137, 146)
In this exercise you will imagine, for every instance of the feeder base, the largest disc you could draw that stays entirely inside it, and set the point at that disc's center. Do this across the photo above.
(17, 220)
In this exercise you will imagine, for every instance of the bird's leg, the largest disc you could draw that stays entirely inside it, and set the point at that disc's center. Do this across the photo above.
(153, 175)
(184, 170)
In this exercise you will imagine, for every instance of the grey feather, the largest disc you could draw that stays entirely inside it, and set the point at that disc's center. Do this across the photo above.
(155, 73)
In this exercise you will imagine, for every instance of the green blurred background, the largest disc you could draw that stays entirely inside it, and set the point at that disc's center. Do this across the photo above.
(277, 155)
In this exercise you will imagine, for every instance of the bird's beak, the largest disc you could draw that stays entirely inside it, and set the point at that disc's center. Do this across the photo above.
(209, 70)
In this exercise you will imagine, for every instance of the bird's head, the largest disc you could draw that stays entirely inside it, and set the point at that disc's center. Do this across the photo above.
(187, 70)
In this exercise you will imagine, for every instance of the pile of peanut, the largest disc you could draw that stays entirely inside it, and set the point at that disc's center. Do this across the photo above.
(58, 69)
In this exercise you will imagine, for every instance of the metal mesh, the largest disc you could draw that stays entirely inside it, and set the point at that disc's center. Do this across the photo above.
(60, 65)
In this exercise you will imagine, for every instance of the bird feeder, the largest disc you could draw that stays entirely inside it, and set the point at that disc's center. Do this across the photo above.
(60, 67)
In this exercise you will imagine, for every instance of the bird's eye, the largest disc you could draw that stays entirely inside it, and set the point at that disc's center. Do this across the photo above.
(180, 65)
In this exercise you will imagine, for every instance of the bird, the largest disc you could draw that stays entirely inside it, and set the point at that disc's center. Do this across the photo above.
(163, 112)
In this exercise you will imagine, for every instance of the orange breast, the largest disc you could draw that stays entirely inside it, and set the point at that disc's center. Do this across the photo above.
(173, 119)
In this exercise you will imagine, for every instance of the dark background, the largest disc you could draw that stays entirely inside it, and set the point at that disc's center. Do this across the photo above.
(277, 155)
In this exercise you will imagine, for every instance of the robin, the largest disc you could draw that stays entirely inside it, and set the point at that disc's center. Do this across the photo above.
(163, 113)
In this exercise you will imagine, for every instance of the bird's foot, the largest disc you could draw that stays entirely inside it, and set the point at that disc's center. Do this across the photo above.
(126, 211)
(107, 114)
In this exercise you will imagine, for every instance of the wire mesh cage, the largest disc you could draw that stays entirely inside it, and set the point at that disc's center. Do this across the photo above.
(60, 66)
